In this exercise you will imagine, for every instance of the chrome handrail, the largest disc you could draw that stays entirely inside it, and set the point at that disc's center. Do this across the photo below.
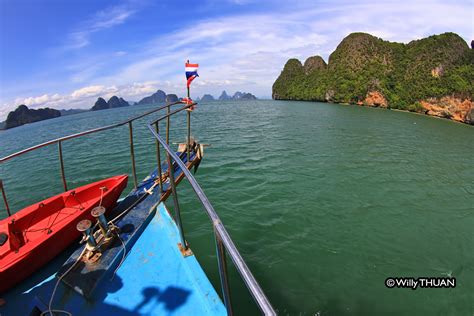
(84, 133)
(91, 131)
(94, 130)
(223, 240)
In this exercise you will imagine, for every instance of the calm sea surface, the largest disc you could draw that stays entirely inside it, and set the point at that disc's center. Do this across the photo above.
(323, 201)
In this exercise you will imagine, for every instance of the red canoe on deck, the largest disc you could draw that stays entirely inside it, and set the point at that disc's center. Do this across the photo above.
(37, 233)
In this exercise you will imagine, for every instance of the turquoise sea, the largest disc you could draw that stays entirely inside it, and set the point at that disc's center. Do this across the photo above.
(323, 201)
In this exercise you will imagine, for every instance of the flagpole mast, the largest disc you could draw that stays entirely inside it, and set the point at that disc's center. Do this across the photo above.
(189, 126)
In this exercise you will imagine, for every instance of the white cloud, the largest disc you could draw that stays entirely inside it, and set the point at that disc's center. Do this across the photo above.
(92, 91)
(102, 20)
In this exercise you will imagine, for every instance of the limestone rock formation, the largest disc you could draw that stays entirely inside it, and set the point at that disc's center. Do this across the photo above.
(23, 115)
(116, 102)
(224, 96)
(314, 63)
(367, 70)
(157, 97)
(207, 97)
(100, 104)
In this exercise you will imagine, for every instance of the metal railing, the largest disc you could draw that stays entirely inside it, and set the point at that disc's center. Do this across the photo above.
(224, 243)
(60, 140)
(223, 240)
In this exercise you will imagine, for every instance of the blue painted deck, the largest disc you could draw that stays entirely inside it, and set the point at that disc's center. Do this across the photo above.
(175, 285)
(154, 279)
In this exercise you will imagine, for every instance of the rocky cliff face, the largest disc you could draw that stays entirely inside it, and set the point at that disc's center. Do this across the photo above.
(157, 97)
(23, 115)
(449, 107)
(375, 99)
(369, 71)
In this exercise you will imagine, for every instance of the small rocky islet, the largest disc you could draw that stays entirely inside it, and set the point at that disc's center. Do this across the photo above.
(433, 76)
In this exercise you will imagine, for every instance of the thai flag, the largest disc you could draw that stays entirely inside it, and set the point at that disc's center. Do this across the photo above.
(191, 72)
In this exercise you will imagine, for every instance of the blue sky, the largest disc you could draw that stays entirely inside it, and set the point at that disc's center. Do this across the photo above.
(64, 54)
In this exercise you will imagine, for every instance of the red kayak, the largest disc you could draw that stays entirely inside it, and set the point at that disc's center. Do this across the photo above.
(33, 236)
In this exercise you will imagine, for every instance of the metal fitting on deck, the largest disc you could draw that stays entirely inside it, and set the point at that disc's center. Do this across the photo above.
(84, 227)
(98, 212)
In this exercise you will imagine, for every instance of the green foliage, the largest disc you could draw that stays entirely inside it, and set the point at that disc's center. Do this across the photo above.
(415, 107)
(402, 73)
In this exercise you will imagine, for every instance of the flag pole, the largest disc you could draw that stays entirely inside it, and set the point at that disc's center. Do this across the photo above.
(189, 125)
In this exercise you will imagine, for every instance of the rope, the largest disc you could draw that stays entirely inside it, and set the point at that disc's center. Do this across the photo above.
(50, 309)
(123, 256)
(48, 226)
(149, 191)
(102, 189)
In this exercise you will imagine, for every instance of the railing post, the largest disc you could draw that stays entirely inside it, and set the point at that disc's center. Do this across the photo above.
(5, 198)
(158, 157)
(61, 164)
(222, 263)
(168, 125)
(188, 111)
(176, 203)
(132, 153)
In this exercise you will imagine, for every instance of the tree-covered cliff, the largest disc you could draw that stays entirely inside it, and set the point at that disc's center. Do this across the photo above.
(367, 70)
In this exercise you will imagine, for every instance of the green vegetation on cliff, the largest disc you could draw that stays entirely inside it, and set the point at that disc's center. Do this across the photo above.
(404, 74)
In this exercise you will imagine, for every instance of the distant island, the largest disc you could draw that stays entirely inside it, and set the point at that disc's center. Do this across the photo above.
(23, 115)
(224, 96)
(207, 97)
(434, 76)
(237, 96)
(114, 102)
(72, 111)
(157, 97)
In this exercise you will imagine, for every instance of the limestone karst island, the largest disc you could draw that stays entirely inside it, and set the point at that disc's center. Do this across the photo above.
(433, 76)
